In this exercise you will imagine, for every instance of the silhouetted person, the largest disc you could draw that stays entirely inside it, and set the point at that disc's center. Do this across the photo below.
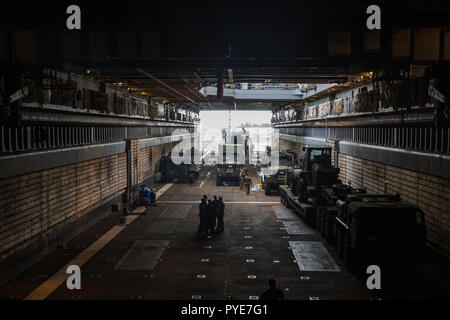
(215, 202)
(220, 212)
(241, 178)
(203, 210)
(247, 183)
(273, 293)
(211, 217)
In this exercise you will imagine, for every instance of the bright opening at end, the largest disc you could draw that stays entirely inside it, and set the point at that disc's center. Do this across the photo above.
(213, 124)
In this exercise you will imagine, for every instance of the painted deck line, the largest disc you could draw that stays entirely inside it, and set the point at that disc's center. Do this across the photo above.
(51, 284)
(160, 192)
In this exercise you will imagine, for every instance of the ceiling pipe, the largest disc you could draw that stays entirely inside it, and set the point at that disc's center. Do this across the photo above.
(164, 84)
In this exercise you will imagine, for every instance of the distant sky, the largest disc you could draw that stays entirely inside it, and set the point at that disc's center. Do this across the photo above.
(219, 119)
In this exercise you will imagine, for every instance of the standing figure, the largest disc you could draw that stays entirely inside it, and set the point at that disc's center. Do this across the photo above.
(247, 183)
(241, 178)
(203, 210)
(273, 293)
(220, 214)
(211, 217)
(215, 202)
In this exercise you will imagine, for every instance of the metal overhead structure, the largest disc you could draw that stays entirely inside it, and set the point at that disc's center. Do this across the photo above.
(165, 85)
(187, 46)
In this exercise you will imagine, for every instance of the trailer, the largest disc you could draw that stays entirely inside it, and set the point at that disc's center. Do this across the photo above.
(362, 227)
(305, 210)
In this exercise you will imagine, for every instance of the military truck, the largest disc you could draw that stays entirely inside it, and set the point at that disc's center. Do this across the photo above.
(185, 172)
(305, 183)
(230, 158)
(273, 177)
(326, 210)
(373, 229)
(366, 229)
(288, 158)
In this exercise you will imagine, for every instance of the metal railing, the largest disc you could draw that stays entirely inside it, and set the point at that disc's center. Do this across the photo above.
(32, 138)
(417, 138)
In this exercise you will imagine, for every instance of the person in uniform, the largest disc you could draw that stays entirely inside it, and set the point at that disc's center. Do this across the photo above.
(241, 178)
(203, 208)
(220, 214)
(247, 183)
(211, 217)
(273, 293)
(215, 202)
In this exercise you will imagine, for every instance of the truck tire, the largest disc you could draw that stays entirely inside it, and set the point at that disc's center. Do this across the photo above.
(218, 182)
(267, 190)
(287, 204)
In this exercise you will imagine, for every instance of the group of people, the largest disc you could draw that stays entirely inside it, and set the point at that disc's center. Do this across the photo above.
(211, 214)
(245, 181)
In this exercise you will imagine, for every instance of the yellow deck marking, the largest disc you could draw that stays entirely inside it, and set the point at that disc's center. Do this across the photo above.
(45, 289)
(139, 209)
(51, 284)
(163, 189)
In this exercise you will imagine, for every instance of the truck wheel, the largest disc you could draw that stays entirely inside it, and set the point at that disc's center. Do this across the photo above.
(287, 204)
(218, 182)
(267, 190)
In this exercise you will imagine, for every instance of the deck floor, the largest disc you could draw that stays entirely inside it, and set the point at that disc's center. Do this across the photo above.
(160, 256)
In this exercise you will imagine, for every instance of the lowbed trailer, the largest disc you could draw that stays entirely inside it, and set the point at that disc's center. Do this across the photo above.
(364, 228)
(287, 198)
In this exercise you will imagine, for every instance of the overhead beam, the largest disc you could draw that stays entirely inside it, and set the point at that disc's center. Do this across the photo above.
(165, 85)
